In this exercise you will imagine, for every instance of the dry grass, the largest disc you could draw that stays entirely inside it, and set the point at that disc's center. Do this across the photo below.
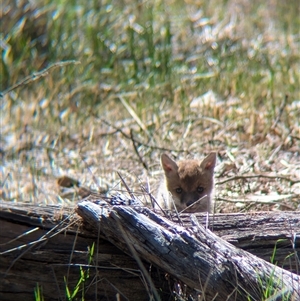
(138, 92)
(182, 77)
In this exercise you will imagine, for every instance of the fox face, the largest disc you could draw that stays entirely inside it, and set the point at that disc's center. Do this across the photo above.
(190, 182)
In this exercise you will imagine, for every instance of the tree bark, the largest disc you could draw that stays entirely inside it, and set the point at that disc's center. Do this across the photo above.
(181, 248)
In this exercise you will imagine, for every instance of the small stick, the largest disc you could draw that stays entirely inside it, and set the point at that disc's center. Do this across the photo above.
(126, 186)
(36, 75)
(257, 176)
(281, 109)
(137, 152)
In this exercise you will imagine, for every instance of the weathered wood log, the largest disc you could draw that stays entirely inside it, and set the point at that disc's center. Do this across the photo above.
(47, 261)
(43, 244)
(196, 256)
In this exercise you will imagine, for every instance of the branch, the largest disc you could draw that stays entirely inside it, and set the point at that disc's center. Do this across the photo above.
(35, 76)
(257, 176)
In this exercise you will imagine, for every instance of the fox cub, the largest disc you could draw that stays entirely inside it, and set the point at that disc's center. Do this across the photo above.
(187, 182)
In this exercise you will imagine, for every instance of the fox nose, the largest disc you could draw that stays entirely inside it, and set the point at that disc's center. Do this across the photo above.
(189, 203)
(192, 201)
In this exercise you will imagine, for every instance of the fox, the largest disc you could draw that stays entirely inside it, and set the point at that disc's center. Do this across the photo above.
(188, 184)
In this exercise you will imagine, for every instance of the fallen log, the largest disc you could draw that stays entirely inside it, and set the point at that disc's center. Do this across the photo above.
(46, 247)
(196, 256)
(57, 247)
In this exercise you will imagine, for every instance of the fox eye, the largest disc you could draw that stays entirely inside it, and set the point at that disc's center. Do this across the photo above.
(200, 189)
(178, 190)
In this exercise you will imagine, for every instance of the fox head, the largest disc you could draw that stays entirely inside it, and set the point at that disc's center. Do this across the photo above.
(190, 181)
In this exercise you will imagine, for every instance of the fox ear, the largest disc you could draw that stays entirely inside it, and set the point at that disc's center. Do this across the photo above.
(168, 164)
(209, 162)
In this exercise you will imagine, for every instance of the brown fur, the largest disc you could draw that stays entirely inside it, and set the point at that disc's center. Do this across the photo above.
(188, 181)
